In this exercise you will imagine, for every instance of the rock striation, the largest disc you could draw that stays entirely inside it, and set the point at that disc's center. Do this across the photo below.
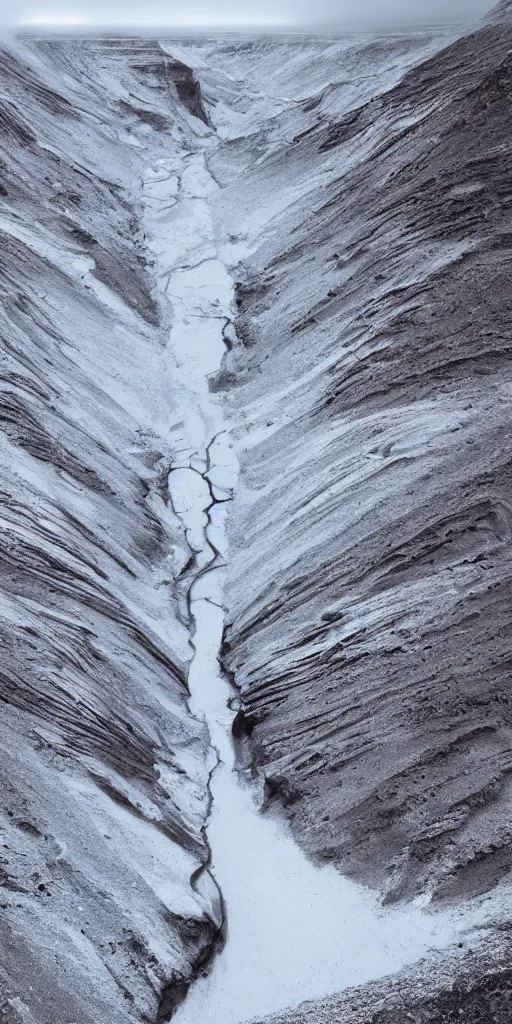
(370, 568)
(107, 911)
(363, 205)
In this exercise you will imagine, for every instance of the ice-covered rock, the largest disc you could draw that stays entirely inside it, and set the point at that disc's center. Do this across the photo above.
(107, 908)
(358, 191)
(370, 538)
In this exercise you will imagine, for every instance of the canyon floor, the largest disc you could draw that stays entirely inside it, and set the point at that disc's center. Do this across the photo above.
(255, 466)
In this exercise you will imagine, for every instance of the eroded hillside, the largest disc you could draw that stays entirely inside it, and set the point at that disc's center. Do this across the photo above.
(370, 569)
(358, 192)
(107, 907)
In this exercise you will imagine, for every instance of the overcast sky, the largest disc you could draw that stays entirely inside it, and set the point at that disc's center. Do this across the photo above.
(372, 13)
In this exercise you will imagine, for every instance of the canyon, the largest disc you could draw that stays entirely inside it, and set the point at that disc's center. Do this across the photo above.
(256, 724)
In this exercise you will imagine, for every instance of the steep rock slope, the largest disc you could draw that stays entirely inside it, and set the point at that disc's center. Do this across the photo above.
(365, 190)
(107, 910)
(370, 573)
(501, 13)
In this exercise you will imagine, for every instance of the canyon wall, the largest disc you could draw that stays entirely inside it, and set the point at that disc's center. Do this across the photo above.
(370, 571)
(107, 909)
(363, 206)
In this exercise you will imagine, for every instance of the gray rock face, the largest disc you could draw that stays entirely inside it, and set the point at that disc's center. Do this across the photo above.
(103, 911)
(370, 572)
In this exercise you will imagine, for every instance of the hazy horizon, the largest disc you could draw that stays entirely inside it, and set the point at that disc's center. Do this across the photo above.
(83, 15)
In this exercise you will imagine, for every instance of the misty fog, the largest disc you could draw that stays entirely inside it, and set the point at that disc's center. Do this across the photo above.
(368, 14)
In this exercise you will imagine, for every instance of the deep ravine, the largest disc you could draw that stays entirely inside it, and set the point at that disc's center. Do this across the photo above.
(136, 190)
(293, 931)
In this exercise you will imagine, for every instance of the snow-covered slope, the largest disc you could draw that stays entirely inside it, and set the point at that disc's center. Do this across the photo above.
(369, 569)
(106, 908)
(502, 12)
(471, 986)
(357, 190)
(369, 574)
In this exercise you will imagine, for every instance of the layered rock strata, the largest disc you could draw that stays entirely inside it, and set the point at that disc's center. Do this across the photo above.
(370, 567)
(364, 206)
(107, 911)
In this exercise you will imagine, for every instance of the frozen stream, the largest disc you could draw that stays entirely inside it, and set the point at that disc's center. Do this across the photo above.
(294, 931)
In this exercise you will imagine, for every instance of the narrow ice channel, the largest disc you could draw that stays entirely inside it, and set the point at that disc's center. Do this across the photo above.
(294, 931)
